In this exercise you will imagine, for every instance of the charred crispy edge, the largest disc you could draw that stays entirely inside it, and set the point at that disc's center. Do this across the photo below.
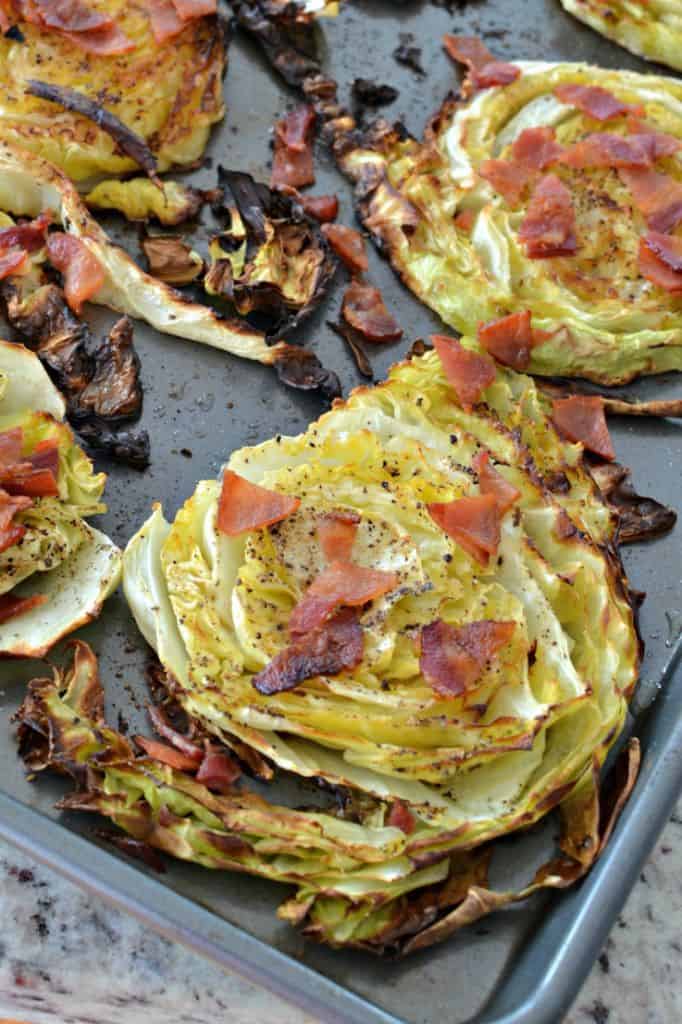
(559, 387)
(639, 518)
(286, 38)
(127, 140)
(257, 202)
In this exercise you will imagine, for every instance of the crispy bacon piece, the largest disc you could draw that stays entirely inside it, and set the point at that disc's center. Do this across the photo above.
(349, 246)
(341, 584)
(582, 418)
(363, 308)
(166, 755)
(82, 272)
(468, 373)
(11, 532)
(292, 162)
(29, 482)
(45, 455)
(322, 208)
(175, 738)
(492, 482)
(12, 262)
(106, 42)
(510, 339)
(483, 69)
(473, 522)
(11, 606)
(189, 9)
(533, 151)
(603, 149)
(11, 442)
(658, 197)
(165, 21)
(332, 648)
(594, 101)
(29, 236)
(548, 228)
(454, 657)
(660, 261)
(218, 772)
(401, 817)
(69, 15)
(336, 532)
(245, 506)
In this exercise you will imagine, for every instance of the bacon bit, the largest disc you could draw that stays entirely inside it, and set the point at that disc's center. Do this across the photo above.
(189, 9)
(660, 261)
(349, 246)
(245, 506)
(5, 23)
(45, 455)
(341, 584)
(602, 149)
(175, 738)
(581, 418)
(363, 308)
(12, 262)
(336, 532)
(166, 755)
(218, 772)
(454, 657)
(321, 208)
(658, 197)
(82, 272)
(11, 442)
(292, 162)
(69, 15)
(468, 373)
(548, 228)
(492, 482)
(464, 220)
(594, 101)
(105, 42)
(483, 69)
(473, 522)
(533, 151)
(401, 817)
(510, 339)
(29, 236)
(10, 532)
(332, 648)
(11, 606)
(29, 483)
(165, 21)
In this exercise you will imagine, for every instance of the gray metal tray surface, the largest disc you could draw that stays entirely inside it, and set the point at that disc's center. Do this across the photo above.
(522, 965)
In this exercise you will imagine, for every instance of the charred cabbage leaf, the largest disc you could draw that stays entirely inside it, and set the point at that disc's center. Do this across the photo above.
(286, 32)
(271, 263)
(649, 28)
(55, 569)
(456, 241)
(523, 733)
(360, 880)
(183, 74)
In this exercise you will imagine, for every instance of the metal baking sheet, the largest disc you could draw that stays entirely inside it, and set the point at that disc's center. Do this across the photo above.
(522, 965)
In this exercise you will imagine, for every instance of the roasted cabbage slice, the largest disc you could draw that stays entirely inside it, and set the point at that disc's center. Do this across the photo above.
(169, 94)
(649, 28)
(361, 880)
(217, 606)
(55, 569)
(608, 307)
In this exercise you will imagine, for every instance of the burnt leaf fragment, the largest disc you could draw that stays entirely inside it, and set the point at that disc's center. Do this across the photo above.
(99, 378)
(300, 368)
(271, 262)
(285, 33)
(639, 517)
(354, 342)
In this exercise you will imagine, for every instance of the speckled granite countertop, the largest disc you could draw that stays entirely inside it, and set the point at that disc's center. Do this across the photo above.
(66, 959)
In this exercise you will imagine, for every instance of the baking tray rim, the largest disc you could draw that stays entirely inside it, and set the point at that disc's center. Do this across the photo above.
(579, 935)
